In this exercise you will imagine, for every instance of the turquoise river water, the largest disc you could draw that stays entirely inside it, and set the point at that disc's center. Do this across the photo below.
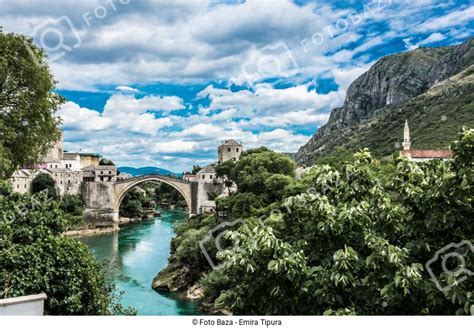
(134, 256)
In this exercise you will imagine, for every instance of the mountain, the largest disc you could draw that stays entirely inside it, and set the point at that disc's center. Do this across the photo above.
(146, 170)
(431, 87)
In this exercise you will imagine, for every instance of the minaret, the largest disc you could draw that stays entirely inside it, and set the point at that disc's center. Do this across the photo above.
(406, 137)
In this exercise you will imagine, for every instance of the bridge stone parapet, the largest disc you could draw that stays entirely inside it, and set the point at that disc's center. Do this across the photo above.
(102, 199)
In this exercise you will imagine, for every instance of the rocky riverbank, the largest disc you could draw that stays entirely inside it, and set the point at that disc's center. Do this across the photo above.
(87, 231)
(90, 232)
(179, 279)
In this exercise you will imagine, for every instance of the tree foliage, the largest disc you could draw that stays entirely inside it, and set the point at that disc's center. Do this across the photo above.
(353, 240)
(27, 103)
(106, 161)
(35, 258)
(257, 165)
(44, 182)
(166, 195)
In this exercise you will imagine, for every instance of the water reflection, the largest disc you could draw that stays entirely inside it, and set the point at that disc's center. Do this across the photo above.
(134, 256)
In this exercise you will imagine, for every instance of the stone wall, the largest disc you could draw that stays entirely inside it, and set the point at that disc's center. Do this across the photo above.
(204, 189)
(99, 199)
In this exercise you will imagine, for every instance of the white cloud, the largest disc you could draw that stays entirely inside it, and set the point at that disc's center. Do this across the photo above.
(435, 37)
(452, 19)
(267, 100)
(75, 117)
(121, 103)
(344, 77)
(126, 89)
(123, 113)
(175, 146)
(210, 42)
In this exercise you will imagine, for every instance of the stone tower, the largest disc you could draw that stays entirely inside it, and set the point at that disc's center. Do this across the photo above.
(55, 151)
(229, 150)
(406, 137)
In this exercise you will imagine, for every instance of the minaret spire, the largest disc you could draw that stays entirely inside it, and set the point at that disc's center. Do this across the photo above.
(406, 137)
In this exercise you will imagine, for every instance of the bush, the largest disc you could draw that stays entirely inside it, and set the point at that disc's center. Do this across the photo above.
(44, 182)
(72, 204)
(36, 258)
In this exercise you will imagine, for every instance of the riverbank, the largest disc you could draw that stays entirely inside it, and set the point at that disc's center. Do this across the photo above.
(187, 264)
(91, 232)
(86, 231)
(176, 280)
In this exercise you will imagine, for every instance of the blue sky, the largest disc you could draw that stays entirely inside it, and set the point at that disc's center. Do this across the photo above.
(162, 83)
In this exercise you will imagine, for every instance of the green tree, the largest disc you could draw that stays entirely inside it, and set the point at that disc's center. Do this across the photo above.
(35, 258)
(44, 182)
(195, 170)
(165, 194)
(106, 161)
(134, 203)
(257, 165)
(72, 204)
(224, 172)
(356, 240)
(27, 103)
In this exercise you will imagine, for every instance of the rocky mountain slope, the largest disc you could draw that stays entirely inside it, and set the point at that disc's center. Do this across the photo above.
(431, 87)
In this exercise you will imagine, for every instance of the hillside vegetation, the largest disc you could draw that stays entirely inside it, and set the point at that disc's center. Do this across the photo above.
(432, 88)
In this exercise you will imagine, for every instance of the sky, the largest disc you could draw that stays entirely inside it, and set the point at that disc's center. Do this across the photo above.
(162, 83)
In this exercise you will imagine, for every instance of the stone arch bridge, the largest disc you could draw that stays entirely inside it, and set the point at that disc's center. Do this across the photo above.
(102, 199)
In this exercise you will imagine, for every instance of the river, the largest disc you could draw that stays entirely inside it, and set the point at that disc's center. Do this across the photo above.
(134, 256)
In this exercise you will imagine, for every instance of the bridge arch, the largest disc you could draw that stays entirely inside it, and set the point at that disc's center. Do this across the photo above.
(183, 187)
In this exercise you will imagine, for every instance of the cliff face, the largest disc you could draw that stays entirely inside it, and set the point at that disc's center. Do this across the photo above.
(391, 82)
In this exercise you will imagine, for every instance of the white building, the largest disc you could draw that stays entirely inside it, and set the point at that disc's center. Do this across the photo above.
(21, 180)
(68, 170)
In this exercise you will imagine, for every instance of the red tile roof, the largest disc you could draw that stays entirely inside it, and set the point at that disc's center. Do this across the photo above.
(427, 153)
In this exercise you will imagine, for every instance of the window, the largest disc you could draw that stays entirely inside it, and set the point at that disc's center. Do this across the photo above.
(228, 149)
(110, 172)
(210, 176)
(237, 150)
(203, 176)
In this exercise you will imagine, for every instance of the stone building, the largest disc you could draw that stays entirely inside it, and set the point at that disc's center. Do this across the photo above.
(88, 159)
(209, 183)
(420, 155)
(67, 181)
(21, 180)
(229, 150)
(206, 174)
(124, 176)
(208, 206)
(69, 170)
(101, 173)
(190, 177)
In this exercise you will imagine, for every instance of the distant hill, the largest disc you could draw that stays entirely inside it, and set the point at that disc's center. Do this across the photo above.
(146, 170)
(431, 87)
